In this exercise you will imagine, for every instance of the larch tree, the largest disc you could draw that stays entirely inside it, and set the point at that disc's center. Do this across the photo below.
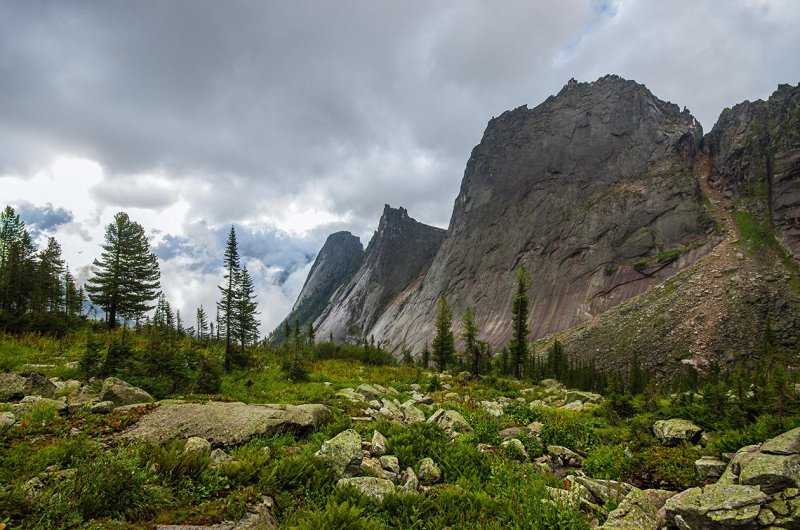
(125, 278)
(519, 320)
(443, 342)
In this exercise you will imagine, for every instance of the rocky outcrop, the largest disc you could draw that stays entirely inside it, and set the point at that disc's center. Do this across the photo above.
(399, 253)
(224, 423)
(755, 160)
(337, 262)
(123, 393)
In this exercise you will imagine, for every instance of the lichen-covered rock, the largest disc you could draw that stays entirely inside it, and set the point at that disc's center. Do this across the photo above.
(372, 487)
(351, 395)
(493, 408)
(583, 397)
(716, 506)
(787, 443)
(220, 457)
(222, 423)
(372, 467)
(635, 512)
(515, 449)
(429, 472)
(450, 421)
(28, 403)
(710, 467)
(409, 481)
(567, 456)
(674, 431)
(342, 453)
(390, 463)
(195, 444)
(7, 419)
(369, 392)
(412, 414)
(605, 491)
(102, 407)
(772, 473)
(123, 393)
(378, 444)
(13, 387)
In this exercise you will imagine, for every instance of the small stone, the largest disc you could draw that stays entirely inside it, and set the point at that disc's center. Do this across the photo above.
(220, 457)
(195, 444)
(7, 419)
(378, 444)
(102, 407)
(371, 487)
(511, 432)
(409, 481)
(390, 463)
(515, 449)
(342, 453)
(429, 472)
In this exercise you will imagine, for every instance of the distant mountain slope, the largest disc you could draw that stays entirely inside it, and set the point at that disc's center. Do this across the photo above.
(337, 261)
(400, 251)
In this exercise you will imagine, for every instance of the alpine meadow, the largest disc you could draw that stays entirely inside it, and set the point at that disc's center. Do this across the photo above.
(590, 318)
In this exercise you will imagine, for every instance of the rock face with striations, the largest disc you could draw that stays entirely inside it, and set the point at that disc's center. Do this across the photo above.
(337, 262)
(398, 254)
(592, 191)
(755, 153)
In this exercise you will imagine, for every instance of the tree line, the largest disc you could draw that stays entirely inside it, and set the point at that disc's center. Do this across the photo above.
(38, 293)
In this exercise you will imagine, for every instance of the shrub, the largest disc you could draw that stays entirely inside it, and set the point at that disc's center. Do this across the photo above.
(607, 462)
(667, 466)
(172, 463)
(337, 515)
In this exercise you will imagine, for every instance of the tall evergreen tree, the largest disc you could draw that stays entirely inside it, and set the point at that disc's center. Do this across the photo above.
(519, 320)
(443, 342)
(48, 289)
(125, 280)
(469, 334)
(227, 305)
(245, 321)
(202, 323)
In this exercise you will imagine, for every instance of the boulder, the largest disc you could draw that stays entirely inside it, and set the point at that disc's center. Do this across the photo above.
(674, 431)
(28, 403)
(605, 491)
(13, 387)
(716, 506)
(378, 444)
(635, 512)
(568, 457)
(583, 397)
(7, 419)
(122, 393)
(412, 414)
(493, 408)
(515, 449)
(510, 432)
(222, 423)
(369, 391)
(787, 443)
(409, 481)
(576, 406)
(351, 395)
(390, 463)
(429, 472)
(551, 384)
(195, 444)
(342, 453)
(450, 422)
(101, 407)
(372, 487)
(372, 467)
(710, 467)
(772, 473)
(419, 398)
(535, 428)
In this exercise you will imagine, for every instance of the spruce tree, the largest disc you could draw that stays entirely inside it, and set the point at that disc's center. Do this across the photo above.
(519, 320)
(125, 280)
(202, 323)
(443, 342)
(469, 334)
(226, 306)
(245, 321)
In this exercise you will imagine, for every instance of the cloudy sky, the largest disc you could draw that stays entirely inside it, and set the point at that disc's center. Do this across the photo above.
(294, 119)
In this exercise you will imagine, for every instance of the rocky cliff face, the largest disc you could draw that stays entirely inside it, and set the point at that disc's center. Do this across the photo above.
(592, 191)
(400, 252)
(337, 262)
(755, 153)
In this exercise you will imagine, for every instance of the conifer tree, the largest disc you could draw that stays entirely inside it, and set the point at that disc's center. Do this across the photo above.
(310, 334)
(443, 342)
(469, 334)
(125, 280)
(202, 323)
(245, 321)
(226, 306)
(519, 320)
(426, 356)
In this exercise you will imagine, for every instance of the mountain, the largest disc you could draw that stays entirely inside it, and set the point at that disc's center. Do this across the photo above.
(638, 233)
(397, 256)
(337, 261)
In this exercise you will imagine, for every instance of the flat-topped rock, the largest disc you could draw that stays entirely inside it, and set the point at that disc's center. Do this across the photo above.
(224, 423)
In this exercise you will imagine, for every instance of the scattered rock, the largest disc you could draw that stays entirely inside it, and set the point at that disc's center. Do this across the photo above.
(583, 397)
(674, 431)
(450, 422)
(412, 414)
(515, 448)
(605, 490)
(567, 457)
(710, 467)
(7, 419)
(28, 403)
(716, 506)
(409, 481)
(102, 407)
(378, 444)
(493, 408)
(195, 444)
(369, 391)
(223, 423)
(390, 463)
(429, 472)
(220, 457)
(551, 384)
(535, 428)
(373, 467)
(635, 512)
(122, 393)
(342, 453)
(452, 396)
(419, 398)
(372, 487)
(351, 395)
(511, 432)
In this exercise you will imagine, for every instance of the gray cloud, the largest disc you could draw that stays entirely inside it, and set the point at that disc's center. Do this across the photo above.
(45, 217)
(244, 110)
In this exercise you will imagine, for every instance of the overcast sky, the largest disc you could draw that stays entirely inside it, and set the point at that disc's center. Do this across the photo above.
(294, 119)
